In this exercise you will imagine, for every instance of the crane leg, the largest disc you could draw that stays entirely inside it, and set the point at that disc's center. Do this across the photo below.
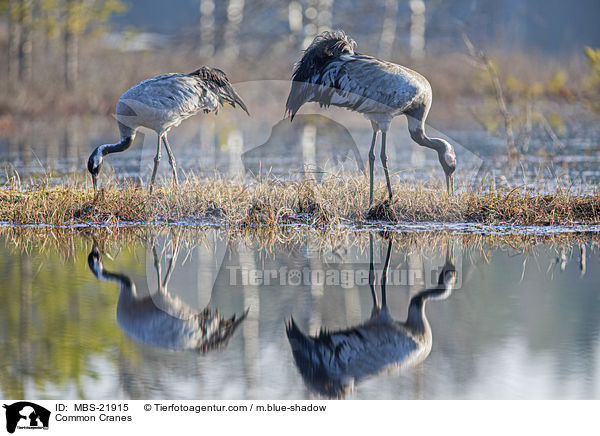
(376, 308)
(371, 163)
(156, 161)
(384, 274)
(372, 274)
(384, 163)
(171, 160)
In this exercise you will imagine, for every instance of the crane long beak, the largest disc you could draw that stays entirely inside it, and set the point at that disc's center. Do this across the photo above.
(94, 181)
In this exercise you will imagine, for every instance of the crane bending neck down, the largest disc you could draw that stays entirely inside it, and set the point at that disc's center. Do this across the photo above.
(332, 362)
(162, 319)
(161, 103)
(97, 156)
(446, 155)
(331, 72)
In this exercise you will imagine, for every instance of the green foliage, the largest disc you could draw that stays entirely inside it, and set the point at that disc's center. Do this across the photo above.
(523, 102)
(57, 318)
(83, 15)
(75, 16)
(557, 82)
(592, 90)
(557, 123)
(593, 56)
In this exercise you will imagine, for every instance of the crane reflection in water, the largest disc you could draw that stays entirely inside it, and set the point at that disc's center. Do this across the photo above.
(163, 320)
(332, 362)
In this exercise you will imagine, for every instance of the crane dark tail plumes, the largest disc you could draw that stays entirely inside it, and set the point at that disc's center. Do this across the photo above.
(324, 48)
(219, 83)
(226, 330)
(235, 322)
(298, 96)
(303, 350)
(295, 334)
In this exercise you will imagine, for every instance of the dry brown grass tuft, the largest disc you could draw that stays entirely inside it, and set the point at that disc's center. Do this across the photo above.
(382, 211)
(335, 201)
(524, 208)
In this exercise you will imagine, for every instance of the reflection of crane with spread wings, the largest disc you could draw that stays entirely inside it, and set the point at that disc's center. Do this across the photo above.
(331, 362)
(163, 320)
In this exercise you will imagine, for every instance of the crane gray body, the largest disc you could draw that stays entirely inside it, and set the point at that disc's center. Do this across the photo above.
(163, 102)
(379, 90)
(331, 73)
(338, 360)
(162, 320)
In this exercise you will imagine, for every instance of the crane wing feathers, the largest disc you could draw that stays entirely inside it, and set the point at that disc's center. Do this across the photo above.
(354, 353)
(164, 101)
(363, 84)
(173, 93)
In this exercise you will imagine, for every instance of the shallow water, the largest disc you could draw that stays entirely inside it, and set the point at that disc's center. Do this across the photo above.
(319, 142)
(83, 323)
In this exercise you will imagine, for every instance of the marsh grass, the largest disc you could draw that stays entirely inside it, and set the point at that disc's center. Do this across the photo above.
(268, 242)
(336, 200)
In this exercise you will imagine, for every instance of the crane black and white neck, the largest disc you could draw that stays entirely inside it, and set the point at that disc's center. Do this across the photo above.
(331, 73)
(161, 103)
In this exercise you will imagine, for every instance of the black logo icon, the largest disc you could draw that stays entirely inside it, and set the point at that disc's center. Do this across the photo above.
(26, 415)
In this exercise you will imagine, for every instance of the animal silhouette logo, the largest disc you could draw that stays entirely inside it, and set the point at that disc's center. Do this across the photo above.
(313, 144)
(26, 415)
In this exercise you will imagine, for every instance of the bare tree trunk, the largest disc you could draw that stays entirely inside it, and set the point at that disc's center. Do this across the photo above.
(388, 33)
(25, 42)
(50, 20)
(325, 16)
(309, 151)
(12, 53)
(295, 23)
(71, 45)
(207, 28)
(417, 29)
(235, 15)
(310, 28)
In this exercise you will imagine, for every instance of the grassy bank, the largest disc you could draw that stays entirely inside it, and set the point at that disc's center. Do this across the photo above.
(334, 201)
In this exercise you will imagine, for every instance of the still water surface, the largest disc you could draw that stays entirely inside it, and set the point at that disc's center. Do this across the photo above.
(319, 143)
(154, 318)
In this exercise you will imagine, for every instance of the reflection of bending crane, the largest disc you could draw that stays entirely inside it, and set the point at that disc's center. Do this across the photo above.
(331, 362)
(162, 320)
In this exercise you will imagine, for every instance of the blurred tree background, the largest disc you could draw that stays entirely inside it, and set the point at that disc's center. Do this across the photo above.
(74, 57)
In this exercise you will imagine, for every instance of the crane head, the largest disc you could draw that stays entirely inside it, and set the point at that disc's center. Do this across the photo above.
(94, 165)
(94, 262)
(446, 282)
(447, 159)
